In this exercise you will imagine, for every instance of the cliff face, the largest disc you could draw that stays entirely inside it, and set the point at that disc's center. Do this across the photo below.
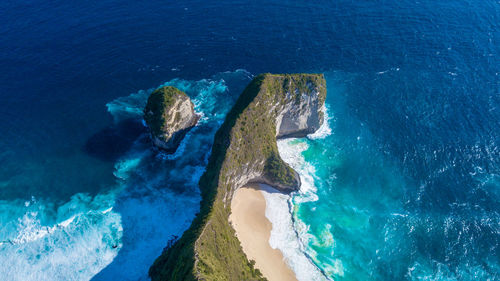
(244, 151)
(303, 116)
(169, 114)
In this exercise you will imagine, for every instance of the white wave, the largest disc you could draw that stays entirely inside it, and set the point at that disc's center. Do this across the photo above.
(119, 231)
(207, 96)
(107, 210)
(116, 234)
(74, 248)
(149, 221)
(399, 215)
(284, 237)
(291, 152)
(289, 234)
(325, 129)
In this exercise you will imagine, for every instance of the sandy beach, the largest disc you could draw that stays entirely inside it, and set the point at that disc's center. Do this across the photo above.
(253, 229)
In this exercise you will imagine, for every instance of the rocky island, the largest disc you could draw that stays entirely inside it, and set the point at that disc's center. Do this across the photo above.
(169, 114)
(244, 151)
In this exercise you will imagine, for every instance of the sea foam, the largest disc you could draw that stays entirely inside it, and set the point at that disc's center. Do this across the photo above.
(288, 233)
(284, 237)
(325, 129)
(117, 234)
(75, 245)
(151, 213)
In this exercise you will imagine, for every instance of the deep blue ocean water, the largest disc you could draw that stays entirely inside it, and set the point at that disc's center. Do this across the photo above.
(405, 187)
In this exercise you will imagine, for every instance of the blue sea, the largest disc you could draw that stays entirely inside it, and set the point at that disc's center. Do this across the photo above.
(401, 183)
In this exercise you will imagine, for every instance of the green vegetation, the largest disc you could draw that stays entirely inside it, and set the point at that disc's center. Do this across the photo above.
(246, 142)
(159, 103)
(278, 171)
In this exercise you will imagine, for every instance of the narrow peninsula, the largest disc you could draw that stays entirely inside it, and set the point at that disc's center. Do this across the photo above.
(244, 151)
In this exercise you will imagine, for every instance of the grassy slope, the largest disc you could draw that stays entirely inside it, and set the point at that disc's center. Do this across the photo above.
(209, 249)
(158, 104)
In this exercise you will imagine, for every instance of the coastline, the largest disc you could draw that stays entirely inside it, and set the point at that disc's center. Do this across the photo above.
(245, 150)
(253, 230)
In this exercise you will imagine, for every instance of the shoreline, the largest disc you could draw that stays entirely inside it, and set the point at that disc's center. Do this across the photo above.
(295, 250)
(253, 230)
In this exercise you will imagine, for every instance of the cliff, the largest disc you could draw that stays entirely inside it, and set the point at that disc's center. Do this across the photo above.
(169, 114)
(244, 150)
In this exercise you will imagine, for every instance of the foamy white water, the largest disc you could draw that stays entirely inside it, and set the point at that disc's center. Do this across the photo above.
(324, 130)
(117, 230)
(289, 234)
(117, 234)
(284, 237)
(72, 242)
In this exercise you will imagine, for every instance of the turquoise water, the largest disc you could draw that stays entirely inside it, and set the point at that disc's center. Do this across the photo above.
(367, 219)
(118, 233)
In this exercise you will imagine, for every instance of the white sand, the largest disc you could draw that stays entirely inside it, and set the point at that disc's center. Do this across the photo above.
(253, 229)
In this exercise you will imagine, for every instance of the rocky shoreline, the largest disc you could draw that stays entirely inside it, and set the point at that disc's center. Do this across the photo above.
(169, 114)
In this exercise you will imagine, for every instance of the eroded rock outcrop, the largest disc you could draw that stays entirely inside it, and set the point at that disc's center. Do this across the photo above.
(244, 150)
(169, 114)
(303, 116)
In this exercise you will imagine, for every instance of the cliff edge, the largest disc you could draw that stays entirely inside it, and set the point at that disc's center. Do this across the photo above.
(244, 150)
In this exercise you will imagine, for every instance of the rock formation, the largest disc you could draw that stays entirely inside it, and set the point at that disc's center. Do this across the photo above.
(169, 115)
(244, 151)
